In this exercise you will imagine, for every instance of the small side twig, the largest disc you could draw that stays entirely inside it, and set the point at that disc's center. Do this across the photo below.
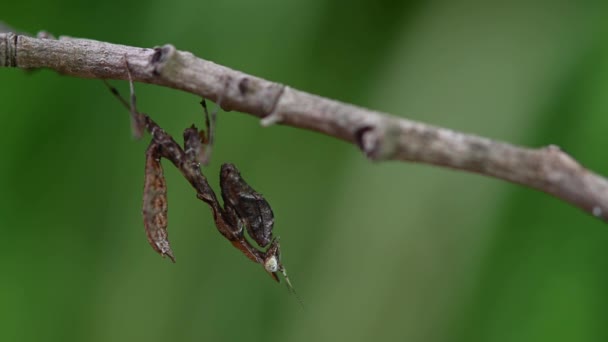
(379, 136)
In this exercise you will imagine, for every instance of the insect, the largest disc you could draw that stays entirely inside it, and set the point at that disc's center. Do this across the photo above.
(244, 203)
(248, 210)
(245, 211)
(154, 207)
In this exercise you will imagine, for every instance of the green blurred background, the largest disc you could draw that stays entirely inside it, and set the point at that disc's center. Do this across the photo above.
(384, 252)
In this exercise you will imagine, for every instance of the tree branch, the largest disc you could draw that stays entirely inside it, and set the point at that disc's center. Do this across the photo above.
(379, 136)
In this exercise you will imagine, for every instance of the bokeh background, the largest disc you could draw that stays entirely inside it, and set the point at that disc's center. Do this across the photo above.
(384, 252)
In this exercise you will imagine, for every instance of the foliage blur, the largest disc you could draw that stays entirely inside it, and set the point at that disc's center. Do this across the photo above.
(385, 251)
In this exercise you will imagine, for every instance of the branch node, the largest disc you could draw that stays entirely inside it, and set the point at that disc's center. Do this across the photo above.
(378, 142)
(271, 119)
(8, 52)
(244, 86)
(362, 140)
(161, 56)
(275, 116)
(562, 157)
(45, 35)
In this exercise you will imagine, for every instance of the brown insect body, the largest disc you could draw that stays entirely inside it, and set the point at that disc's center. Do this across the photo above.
(251, 209)
(155, 208)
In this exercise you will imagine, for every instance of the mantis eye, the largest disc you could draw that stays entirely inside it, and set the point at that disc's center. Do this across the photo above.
(271, 264)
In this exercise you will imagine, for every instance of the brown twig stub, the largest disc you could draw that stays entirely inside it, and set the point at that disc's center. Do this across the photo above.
(379, 136)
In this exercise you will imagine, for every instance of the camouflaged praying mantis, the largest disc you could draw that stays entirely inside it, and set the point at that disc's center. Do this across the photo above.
(244, 210)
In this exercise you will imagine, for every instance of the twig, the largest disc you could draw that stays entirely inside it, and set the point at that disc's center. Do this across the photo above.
(379, 136)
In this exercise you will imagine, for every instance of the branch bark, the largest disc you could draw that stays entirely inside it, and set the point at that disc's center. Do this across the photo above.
(380, 136)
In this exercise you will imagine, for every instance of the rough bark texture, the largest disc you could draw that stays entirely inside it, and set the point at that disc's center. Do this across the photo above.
(379, 136)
